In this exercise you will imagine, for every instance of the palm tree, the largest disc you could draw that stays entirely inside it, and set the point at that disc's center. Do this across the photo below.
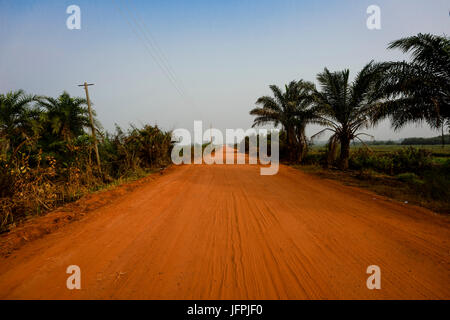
(346, 107)
(419, 90)
(305, 113)
(292, 110)
(18, 122)
(66, 116)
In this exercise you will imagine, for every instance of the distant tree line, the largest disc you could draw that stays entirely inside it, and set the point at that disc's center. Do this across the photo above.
(426, 141)
(408, 141)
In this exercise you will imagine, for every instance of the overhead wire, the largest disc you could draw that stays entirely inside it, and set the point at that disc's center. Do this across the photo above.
(159, 52)
(157, 59)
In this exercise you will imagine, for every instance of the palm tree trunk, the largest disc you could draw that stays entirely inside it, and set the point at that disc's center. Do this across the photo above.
(299, 143)
(302, 146)
(291, 144)
(345, 153)
(301, 150)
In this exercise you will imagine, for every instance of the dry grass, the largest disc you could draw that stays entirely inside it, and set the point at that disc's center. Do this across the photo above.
(381, 184)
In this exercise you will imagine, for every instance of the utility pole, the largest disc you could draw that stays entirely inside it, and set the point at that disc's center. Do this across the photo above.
(86, 85)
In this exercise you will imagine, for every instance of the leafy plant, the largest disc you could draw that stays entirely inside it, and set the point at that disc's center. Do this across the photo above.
(346, 108)
(292, 109)
(418, 90)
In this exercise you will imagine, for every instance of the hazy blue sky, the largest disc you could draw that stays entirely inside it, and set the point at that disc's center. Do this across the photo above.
(225, 53)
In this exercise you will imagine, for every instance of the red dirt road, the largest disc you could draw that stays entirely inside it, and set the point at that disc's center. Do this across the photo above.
(226, 232)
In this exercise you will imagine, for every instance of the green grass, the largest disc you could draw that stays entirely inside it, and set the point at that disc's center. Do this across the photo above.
(391, 148)
(440, 154)
(403, 187)
(405, 175)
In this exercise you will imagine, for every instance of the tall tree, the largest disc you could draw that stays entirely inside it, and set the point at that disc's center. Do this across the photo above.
(347, 107)
(18, 120)
(292, 110)
(418, 90)
(305, 113)
(66, 116)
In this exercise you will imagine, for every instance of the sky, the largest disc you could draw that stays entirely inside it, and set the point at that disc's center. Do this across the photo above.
(172, 62)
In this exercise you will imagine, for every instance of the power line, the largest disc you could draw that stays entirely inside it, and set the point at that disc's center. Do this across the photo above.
(154, 52)
(159, 52)
(146, 45)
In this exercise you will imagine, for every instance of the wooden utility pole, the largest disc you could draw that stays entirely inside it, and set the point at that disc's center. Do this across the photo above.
(94, 137)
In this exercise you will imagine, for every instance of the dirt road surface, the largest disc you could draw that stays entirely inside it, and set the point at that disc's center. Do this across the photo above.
(226, 232)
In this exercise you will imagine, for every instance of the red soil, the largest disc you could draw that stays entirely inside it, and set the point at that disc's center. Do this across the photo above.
(226, 232)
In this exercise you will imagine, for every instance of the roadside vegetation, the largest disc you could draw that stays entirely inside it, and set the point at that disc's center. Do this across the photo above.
(416, 174)
(406, 92)
(47, 153)
(47, 156)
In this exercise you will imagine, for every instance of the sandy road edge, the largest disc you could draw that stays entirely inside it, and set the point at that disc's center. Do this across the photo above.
(372, 194)
(37, 227)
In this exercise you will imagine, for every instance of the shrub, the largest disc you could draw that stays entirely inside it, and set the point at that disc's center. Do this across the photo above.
(410, 177)
(365, 159)
(35, 181)
(411, 159)
(318, 158)
(437, 182)
(6, 179)
(402, 161)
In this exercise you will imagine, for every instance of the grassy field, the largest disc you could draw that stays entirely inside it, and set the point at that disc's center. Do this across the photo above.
(392, 147)
(440, 154)
(418, 175)
(438, 149)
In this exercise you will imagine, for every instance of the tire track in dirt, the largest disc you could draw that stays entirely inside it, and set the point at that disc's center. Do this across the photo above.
(225, 232)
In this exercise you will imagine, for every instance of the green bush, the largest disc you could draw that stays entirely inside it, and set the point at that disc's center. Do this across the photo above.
(317, 158)
(365, 159)
(139, 148)
(437, 182)
(402, 161)
(410, 177)
(47, 156)
(411, 159)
